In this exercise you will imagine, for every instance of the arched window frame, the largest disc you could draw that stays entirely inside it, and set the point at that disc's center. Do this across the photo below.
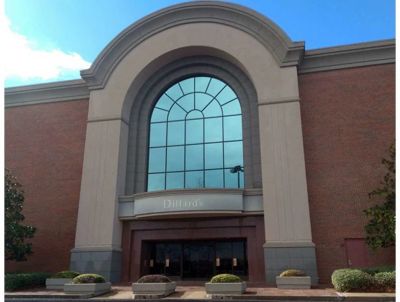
(219, 92)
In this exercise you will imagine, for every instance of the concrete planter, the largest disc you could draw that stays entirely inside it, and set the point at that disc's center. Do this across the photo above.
(87, 288)
(236, 288)
(293, 282)
(152, 290)
(57, 283)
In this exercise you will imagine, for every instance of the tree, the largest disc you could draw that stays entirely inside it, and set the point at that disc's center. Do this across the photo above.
(15, 232)
(381, 226)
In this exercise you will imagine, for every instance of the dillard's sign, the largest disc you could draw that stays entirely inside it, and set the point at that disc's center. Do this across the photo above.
(182, 204)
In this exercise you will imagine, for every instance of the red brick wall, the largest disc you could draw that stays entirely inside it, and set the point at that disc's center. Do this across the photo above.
(348, 119)
(44, 146)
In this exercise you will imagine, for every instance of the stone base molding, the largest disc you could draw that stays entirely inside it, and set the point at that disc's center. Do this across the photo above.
(279, 258)
(103, 262)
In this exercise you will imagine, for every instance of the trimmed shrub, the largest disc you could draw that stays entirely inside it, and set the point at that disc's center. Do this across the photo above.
(225, 278)
(378, 269)
(154, 279)
(293, 273)
(345, 280)
(385, 281)
(88, 278)
(66, 275)
(15, 281)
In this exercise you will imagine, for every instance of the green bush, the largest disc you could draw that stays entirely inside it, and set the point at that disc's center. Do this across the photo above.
(293, 273)
(88, 278)
(378, 269)
(385, 281)
(154, 279)
(15, 281)
(225, 278)
(345, 280)
(66, 274)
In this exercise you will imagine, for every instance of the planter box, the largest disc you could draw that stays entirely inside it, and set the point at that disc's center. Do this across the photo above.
(152, 290)
(236, 288)
(57, 283)
(87, 288)
(293, 282)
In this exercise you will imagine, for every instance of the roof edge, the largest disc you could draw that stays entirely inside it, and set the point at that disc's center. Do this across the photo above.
(322, 59)
(46, 93)
(349, 56)
(286, 52)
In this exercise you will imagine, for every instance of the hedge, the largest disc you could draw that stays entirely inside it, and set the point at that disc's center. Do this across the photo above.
(225, 278)
(345, 280)
(66, 274)
(378, 269)
(154, 279)
(385, 281)
(15, 281)
(88, 278)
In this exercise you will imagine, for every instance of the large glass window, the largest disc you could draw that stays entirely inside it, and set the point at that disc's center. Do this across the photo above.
(196, 137)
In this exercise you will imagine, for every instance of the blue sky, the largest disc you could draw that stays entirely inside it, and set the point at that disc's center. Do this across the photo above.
(57, 38)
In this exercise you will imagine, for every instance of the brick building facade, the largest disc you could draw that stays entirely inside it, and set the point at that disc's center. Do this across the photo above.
(316, 125)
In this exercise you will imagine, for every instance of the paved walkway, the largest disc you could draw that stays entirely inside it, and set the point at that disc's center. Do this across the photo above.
(252, 293)
(198, 292)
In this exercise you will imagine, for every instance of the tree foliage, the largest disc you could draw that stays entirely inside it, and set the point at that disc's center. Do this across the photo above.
(15, 233)
(381, 225)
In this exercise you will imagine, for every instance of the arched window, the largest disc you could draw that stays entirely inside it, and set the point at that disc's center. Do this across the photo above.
(196, 137)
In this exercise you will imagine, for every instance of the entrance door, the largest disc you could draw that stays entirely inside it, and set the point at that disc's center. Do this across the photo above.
(357, 252)
(195, 260)
(198, 260)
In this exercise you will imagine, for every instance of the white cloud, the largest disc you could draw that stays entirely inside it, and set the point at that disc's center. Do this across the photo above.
(23, 60)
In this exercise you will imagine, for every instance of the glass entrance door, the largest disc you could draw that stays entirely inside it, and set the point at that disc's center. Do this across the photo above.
(198, 258)
(195, 260)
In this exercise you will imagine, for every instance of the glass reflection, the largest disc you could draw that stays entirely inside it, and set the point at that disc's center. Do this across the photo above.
(176, 132)
(175, 158)
(156, 182)
(176, 113)
(196, 126)
(213, 130)
(157, 160)
(214, 179)
(226, 95)
(174, 93)
(194, 131)
(194, 179)
(233, 154)
(174, 181)
(194, 157)
(159, 115)
(158, 137)
(233, 128)
(231, 108)
(213, 156)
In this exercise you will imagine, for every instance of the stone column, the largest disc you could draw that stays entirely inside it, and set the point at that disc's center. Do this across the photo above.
(286, 211)
(98, 234)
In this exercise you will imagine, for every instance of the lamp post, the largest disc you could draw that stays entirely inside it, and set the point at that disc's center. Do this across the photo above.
(237, 169)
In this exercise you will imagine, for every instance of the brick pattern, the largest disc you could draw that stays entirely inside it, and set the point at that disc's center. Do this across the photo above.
(44, 147)
(348, 120)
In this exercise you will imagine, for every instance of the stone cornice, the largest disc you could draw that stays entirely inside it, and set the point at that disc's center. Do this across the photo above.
(286, 52)
(324, 59)
(348, 56)
(46, 93)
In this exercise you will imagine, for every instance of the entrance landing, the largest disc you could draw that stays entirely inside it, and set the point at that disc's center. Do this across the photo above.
(197, 293)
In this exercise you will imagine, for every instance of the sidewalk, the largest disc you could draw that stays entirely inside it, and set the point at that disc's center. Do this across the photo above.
(197, 293)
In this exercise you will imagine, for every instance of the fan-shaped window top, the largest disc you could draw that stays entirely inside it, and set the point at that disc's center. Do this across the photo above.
(196, 137)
